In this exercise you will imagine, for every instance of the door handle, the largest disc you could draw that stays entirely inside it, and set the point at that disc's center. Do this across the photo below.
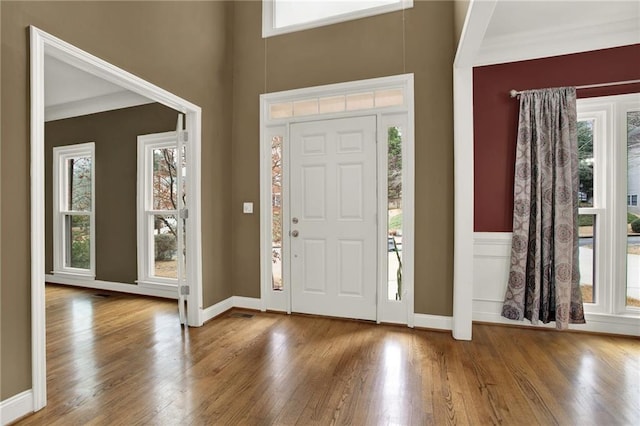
(295, 233)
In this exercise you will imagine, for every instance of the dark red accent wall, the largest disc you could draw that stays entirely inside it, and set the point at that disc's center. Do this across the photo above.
(496, 116)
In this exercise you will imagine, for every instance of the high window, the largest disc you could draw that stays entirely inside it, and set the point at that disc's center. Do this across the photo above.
(284, 16)
(73, 210)
(609, 220)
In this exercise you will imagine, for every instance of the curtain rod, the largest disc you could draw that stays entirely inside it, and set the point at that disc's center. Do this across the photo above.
(515, 93)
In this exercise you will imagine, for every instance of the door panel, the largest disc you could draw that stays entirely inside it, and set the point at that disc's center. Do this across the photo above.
(314, 272)
(313, 194)
(350, 187)
(333, 199)
(351, 268)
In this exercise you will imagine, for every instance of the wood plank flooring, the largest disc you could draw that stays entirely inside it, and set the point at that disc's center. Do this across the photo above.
(124, 359)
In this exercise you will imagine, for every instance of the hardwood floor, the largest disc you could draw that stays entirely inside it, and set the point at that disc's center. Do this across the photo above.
(124, 359)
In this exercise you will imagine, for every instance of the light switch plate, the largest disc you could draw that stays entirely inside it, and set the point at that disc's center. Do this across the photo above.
(247, 208)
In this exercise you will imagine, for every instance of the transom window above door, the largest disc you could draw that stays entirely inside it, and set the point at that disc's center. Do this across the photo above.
(285, 16)
(360, 100)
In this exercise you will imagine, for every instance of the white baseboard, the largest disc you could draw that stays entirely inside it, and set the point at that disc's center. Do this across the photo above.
(436, 322)
(113, 286)
(231, 302)
(17, 406)
(215, 310)
(595, 323)
(247, 303)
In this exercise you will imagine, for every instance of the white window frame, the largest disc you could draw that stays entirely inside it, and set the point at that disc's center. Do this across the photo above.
(60, 186)
(610, 202)
(269, 28)
(144, 215)
(402, 115)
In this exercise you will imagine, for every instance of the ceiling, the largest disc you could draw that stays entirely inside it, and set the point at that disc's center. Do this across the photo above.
(70, 92)
(521, 29)
(515, 17)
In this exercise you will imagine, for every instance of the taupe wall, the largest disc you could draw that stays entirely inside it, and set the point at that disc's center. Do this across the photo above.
(365, 48)
(184, 47)
(202, 51)
(115, 136)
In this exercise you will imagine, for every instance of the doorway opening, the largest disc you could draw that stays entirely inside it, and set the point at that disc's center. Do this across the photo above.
(303, 255)
(45, 45)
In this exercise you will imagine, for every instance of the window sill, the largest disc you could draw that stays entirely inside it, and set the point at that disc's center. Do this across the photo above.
(75, 275)
(624, 317)
(166, 284)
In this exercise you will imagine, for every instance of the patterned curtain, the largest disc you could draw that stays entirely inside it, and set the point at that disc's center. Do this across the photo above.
(544, 280)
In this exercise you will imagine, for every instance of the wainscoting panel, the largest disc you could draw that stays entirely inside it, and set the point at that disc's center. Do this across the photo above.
(491, 252)
(491, 256)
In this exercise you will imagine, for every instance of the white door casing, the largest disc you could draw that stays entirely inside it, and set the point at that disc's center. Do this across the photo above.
(182, 170)
(41, 44)
(333, 200)
(279, 112)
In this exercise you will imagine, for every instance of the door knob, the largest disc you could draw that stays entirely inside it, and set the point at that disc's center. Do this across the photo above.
(294, 233)
(294, 220)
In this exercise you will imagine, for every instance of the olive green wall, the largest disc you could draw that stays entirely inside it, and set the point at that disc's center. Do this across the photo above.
(419, 41)
(183, 47)
(115, 134)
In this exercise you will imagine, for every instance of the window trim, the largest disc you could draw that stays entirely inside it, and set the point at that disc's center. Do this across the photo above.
(144, 195)
(601, 133)
(268, 17)
(60, 156)
(610, 201)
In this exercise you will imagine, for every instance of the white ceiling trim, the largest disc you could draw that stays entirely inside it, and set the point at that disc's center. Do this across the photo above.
(94, 105)
(545, 42)
(473, 32)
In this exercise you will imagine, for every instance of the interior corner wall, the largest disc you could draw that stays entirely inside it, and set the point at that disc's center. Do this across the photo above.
(183, 47)
(419, 40)
(496, 117)
(115, 134)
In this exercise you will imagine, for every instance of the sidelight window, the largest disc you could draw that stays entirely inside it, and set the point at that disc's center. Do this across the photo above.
(276, 213)
(394, 212)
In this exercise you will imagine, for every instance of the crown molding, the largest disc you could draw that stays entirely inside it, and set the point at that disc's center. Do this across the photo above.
(562, 41)
(118, 100)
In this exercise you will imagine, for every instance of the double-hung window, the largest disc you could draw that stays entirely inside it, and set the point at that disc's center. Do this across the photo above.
(73, 210)
(158, 192)
(609, 172)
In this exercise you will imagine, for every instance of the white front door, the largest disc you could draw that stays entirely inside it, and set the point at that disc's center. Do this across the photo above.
(333, 217)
